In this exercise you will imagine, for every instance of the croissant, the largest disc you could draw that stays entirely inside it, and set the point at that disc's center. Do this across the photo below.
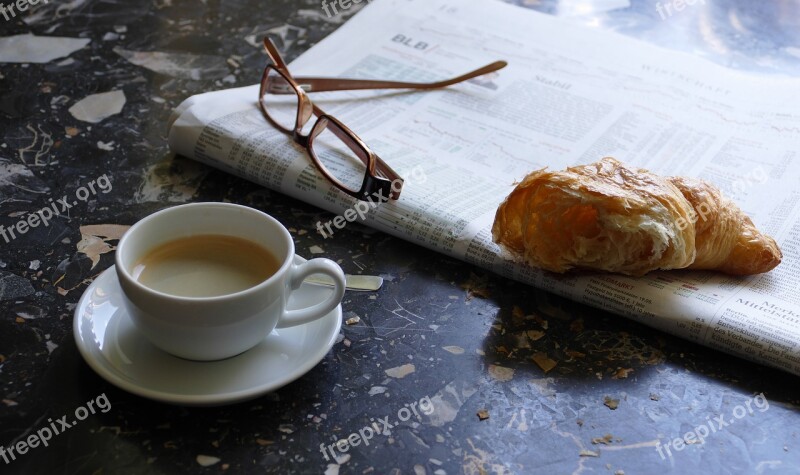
(606, 216)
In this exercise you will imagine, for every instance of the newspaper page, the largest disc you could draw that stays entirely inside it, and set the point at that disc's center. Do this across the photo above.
(570, 95)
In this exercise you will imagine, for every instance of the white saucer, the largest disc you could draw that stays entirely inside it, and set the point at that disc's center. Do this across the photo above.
(113, 348)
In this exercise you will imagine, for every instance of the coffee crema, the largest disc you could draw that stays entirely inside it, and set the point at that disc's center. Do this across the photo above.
(208, 265)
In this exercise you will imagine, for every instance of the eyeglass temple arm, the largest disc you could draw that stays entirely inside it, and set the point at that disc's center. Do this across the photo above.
(315, 84)
(273, 53)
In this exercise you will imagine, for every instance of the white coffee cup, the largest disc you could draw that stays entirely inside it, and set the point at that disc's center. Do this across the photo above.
(215, 328)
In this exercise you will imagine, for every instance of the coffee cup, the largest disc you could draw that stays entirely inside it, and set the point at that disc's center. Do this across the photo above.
(193, 309)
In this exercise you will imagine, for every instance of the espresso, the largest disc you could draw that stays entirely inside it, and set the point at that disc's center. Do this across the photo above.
(205, 266)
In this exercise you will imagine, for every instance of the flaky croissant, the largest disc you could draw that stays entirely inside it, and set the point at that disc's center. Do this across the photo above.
(606, 216)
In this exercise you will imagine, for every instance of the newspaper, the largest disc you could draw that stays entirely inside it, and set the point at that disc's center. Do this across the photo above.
(570, 95)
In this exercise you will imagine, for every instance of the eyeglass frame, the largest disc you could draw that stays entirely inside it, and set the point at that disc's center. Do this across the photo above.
(380, 184)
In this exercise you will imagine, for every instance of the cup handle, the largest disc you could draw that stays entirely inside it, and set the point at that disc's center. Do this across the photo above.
(291, 318)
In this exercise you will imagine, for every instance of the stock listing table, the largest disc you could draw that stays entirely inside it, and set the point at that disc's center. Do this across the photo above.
(433, 377)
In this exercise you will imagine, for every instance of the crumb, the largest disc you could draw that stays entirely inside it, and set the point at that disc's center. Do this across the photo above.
(483, 414)
(476, 287)
(622, 373)
(605, 440)
(612, 404)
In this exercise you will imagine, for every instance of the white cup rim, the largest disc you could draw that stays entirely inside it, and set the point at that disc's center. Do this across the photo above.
(287, 262)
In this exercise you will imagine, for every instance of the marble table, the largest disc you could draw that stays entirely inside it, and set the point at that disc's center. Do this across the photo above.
(618, 391)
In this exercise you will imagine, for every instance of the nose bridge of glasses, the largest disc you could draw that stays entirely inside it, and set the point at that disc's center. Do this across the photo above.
(303, 140)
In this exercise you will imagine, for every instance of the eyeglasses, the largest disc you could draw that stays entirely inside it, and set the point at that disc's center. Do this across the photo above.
(337, 152)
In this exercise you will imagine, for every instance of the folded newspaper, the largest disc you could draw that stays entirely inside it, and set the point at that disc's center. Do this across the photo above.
(570, 95)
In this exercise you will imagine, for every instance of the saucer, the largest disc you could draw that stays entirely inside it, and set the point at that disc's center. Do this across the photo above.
(114, 349)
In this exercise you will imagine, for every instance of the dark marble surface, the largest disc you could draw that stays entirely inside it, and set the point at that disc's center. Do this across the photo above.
(473, 338)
